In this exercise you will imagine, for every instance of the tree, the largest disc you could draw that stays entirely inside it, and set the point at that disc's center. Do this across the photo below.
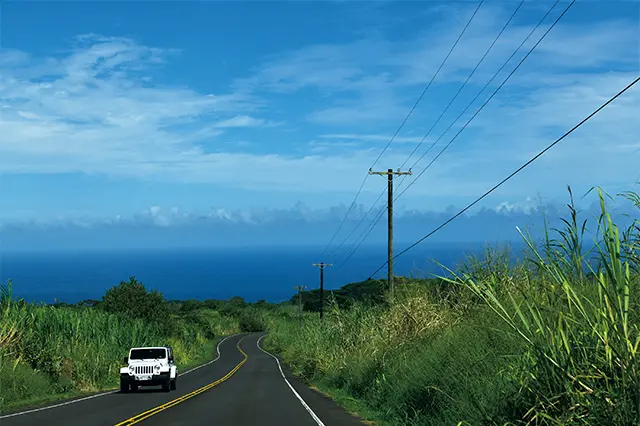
(132, 299)
(190, 305)
(237, 302)
(212, 304)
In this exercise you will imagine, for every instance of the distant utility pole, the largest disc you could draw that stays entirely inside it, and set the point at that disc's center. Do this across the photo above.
(300, 289)
(390, 174)
(322, 265)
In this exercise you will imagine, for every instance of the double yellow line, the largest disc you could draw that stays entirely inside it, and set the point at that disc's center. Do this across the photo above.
(142, 416)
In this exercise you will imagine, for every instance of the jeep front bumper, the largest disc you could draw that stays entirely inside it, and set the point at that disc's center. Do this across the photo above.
(146, 380)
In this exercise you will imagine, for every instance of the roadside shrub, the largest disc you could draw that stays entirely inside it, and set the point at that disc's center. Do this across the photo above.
(131, 299)
(250, 323)
(20, 382)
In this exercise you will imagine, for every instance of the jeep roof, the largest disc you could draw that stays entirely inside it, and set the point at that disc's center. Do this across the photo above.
(151, 347)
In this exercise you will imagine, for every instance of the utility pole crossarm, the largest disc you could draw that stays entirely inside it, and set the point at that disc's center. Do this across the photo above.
(391, 172)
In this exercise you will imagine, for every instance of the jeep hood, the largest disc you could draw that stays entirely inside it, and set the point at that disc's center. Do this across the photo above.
(147, 362)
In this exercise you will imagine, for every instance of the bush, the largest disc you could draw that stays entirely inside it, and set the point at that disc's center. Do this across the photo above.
(19, 382)
(132, 300)
(251, 322)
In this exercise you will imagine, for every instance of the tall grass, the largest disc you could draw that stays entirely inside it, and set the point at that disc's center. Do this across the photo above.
(413, 361)
(579, 326)
(552, 340)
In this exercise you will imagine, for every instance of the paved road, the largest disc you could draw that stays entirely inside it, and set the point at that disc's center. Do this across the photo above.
(245, 386)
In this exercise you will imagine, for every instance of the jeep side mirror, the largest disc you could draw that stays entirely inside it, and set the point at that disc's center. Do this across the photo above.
(126, 359)
(170, 359)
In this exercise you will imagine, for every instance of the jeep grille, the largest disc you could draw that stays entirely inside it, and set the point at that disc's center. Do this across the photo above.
(144, 369)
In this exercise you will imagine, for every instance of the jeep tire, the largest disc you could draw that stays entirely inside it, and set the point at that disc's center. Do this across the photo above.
(124, 385)
(166, 385)
(174, 383)
(134, 387)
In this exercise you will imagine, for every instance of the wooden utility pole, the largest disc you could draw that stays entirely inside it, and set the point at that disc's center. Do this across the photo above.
(390, 174)
(322, 265)
(300, 289)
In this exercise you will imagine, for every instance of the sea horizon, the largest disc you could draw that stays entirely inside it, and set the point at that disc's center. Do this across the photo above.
(252, 272)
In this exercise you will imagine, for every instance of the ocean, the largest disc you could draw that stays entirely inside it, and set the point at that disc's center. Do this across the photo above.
(252, 273)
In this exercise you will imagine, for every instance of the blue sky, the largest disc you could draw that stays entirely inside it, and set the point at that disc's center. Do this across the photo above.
(116, 111)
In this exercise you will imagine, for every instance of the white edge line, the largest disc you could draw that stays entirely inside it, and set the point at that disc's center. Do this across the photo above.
(210, 362)
(304, 404)
(48, 407)
(57, 405)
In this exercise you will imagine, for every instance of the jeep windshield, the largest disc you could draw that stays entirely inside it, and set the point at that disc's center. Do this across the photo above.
(148, 353)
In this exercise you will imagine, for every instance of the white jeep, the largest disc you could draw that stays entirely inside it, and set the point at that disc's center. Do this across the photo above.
(149, 366)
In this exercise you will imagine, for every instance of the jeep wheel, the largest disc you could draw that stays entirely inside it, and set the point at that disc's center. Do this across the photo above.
(173, 383)
(124, 386)
(166, 385)
(134, 387)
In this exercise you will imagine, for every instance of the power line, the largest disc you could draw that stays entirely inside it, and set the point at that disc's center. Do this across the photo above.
(366, 233)
(483, 89)
(430, 82)
(463, 84)
(358, 224)
(467, 107)
(584, 120)
(344, 218)
(401, 126)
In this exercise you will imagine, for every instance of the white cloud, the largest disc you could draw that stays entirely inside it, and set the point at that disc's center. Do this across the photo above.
(98, 109)
(91, 108)
(244, 121)
(377, 80)
(300, 215)
(526, 206)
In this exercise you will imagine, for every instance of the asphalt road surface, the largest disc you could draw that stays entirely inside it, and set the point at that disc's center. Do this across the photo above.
(243, 386)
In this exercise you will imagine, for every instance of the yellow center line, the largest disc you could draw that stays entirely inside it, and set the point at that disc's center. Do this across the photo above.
(142, 416)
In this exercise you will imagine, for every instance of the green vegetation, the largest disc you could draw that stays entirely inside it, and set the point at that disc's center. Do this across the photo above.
(63, 350)
(552, 340)
(365, 292)
(132, 300)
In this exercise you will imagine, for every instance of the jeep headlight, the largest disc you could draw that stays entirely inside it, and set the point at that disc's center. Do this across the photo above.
(131, 369)
(156, 369)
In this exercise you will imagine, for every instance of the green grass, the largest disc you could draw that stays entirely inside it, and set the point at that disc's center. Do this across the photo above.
(550, 341)
(434, 367)
(21, 383)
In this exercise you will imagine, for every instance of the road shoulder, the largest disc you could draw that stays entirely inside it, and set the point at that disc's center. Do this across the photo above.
(327, 409)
